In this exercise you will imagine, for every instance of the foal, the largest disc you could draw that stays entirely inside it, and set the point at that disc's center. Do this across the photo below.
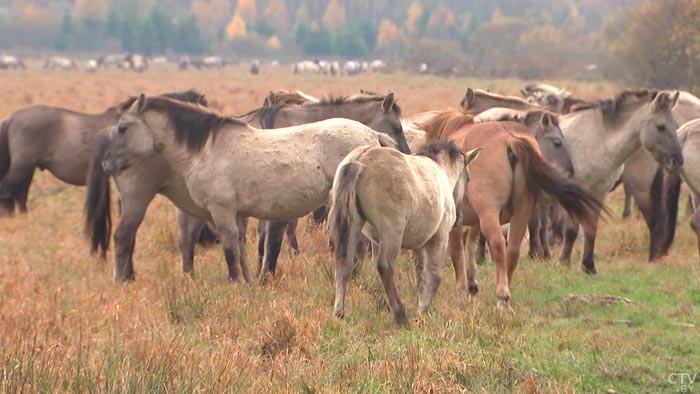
(398, 201)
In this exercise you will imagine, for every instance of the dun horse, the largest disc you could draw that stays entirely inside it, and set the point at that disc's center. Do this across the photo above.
(503, 187)
(398, 201)
(59, 140)
(604, 134)
(689, 137)
(220, 169)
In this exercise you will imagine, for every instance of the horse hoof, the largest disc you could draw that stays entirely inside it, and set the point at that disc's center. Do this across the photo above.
(590, 270)
(339, 314)
(473, 288)
(503, 307)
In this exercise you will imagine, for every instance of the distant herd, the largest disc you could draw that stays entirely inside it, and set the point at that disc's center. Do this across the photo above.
(542, 164)
(140, 63)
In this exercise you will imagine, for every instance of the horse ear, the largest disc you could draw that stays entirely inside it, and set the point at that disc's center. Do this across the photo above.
(388, 102)
(664, 101)
(546, 120)
(674, 98)
(269, 99)
(471, 155)
(468, 98)
(140, 103)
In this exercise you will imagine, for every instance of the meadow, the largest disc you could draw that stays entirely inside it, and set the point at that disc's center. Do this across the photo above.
(64, 326)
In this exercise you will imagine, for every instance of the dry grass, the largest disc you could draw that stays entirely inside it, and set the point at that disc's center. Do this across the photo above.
(65, 328)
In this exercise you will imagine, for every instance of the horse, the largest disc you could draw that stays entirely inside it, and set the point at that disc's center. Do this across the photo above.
(550, 97)
(503, 187)
(288, 97)
(63, 142)
(220, 169)
(646, 182)
(689, 138)
(476, 101)
(61, 63)
(11, 62)
(602, 135)
(544, 126)
(398, 201)
(378, 111)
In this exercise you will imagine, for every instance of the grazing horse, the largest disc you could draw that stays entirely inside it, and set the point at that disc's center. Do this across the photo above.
(398, 201)
(477, 101)
(503, 187)
(550, 97)
(645, 180)
(221, 169)
(689, 138)
(602, 135)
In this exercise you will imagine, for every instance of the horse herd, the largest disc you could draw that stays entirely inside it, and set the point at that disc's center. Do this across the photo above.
(545, 162)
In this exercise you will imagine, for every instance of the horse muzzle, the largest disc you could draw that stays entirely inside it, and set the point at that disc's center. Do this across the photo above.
(111, 167)
(674, 163)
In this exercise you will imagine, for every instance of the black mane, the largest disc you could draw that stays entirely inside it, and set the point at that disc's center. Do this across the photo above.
(186, 96)
(610, 107)
(193, 125)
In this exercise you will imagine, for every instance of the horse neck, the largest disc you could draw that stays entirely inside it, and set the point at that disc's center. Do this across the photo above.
(301, 114)
(687, 109)
(501, 102)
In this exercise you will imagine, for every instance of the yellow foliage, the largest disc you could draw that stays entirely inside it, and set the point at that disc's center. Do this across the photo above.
(388, 33)
(211, 15)
(276, 15)
(334, 17)
(236, 28)
(274, 42)
(90, 9)
(415, 10)
(247, 10)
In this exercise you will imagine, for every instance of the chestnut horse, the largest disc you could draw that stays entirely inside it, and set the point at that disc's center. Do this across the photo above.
(503, 187)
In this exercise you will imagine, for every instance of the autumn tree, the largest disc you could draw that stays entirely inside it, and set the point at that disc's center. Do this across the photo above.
(247, 10)
(390, 38)
(90, 9)
(211, 15)
(414, 12)
(276, 15)
(334, 17)
(236, 28)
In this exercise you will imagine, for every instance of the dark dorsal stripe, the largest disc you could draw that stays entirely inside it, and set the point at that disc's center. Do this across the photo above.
(186, 96)
(193, 125)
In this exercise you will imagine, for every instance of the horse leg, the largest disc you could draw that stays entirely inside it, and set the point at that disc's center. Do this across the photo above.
(433, 256)
(570, 234)
(589, 246)
(319, 215)
(628, 202)
(518, 225)
(227, 224)
(242, 224)
(534, 226)
(273, 243)
(189, 229)
(491, 228)
(344, 264)
(291, 231)
(470, 240)
(13, 186)
(23, 194)
(481, 249)
(262, 224)
(133, 210)
(456, 247)
(389, 248)
(545, 227)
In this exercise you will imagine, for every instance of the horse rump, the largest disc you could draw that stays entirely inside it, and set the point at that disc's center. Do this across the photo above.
(345, 214)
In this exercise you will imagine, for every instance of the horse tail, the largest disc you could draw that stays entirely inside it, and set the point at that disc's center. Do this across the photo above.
(98, 215)
(345, 212)
(665, 193)
(580, 204)
(4, 148)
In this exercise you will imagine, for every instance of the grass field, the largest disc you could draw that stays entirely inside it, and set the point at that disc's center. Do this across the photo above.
(64, 327)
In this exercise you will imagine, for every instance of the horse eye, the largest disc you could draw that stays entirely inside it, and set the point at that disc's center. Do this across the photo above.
(661, 127)
(557, 142)
(121, 129)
